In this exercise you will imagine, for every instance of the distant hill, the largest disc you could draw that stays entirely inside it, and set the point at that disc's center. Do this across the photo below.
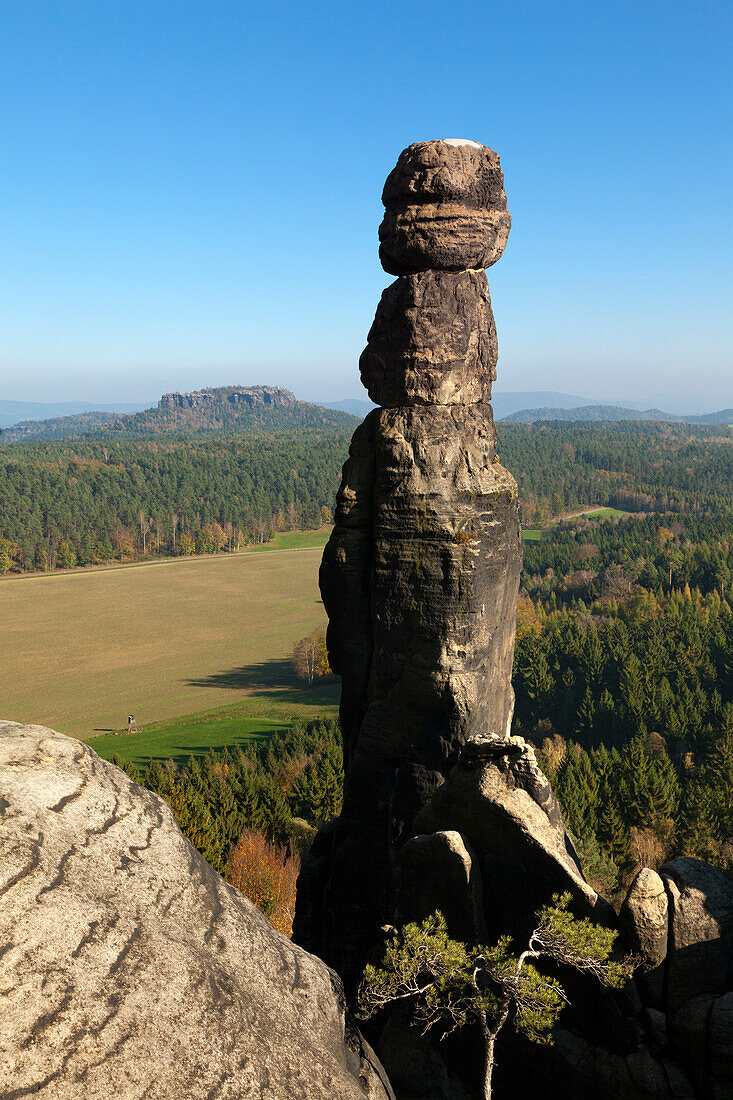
(352, 405)
(615, 412)
(240, 409)
(12, 412)
(58, 427)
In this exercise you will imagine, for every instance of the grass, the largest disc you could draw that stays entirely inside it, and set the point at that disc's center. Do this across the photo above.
(293, 540)
(253, 719)
(608, 513)
(535, 534)
(81, 651)
(193, 736)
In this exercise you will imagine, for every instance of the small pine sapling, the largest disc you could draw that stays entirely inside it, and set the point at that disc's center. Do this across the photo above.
(451, 985)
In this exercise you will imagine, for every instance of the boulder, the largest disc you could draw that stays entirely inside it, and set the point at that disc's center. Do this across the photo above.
(130, 969)
(439, 872)
(445, 209)
(501, 802)
(433, 341)
(700, 949)
(644, 920)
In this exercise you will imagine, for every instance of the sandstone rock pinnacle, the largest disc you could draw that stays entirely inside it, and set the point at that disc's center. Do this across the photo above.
(445, 208)
(421, 573)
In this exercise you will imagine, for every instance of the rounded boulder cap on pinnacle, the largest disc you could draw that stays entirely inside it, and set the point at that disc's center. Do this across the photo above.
(445, 208)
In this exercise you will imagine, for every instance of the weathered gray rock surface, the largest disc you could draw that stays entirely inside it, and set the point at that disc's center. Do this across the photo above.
(445, 209)
(420, 576)
(129, 969)
(433, 341)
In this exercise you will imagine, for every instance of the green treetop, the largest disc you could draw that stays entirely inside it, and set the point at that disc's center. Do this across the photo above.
(450, 984)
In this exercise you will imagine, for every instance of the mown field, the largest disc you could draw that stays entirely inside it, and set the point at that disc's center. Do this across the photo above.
(81, 651)
(535, 533)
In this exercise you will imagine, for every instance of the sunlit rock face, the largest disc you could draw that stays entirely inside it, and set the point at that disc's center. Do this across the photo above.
(421, 573)
(445, 209)
(131, 969)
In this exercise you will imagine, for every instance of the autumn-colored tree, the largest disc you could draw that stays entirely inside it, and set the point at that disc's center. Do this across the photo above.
(8, 551)
(187, 543)
(123, 542)
(310, 656)
(212, 538)
(527, 616)
(267, 874)
(66, 556)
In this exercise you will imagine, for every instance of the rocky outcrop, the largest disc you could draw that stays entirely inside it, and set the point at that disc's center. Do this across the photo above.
(502, 805)
(130, 969)
(644, 920)
(249, 396)
(445, 208)
(420, 576)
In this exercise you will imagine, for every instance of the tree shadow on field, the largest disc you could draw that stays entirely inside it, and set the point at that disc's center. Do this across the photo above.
(276, 672)
(274, 678)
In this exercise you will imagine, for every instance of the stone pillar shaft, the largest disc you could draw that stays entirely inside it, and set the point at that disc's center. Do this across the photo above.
(421, 573)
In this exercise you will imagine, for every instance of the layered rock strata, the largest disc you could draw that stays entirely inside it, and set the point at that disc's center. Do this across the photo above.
(443, 808)
(421, 573)
(130, 969)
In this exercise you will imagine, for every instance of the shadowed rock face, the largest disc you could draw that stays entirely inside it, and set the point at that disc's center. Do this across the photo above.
(130, 969)
(420, 576)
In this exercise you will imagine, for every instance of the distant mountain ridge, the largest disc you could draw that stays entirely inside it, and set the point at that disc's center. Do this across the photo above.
(12, 412)
(354, 405)
(615, 412)
(273, 408)
(239, 409)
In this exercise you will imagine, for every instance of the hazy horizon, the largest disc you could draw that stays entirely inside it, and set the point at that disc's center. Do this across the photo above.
(503, 401)
(192, 193)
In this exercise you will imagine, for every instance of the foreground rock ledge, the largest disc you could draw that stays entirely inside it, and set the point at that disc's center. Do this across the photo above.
(129, 969)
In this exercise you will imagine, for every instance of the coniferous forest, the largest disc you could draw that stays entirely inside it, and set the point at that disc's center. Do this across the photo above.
(77, 502)
(624, 655)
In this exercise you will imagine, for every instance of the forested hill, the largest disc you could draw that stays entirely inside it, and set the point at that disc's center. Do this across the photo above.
(636, 467)
(615, 412)
(226, 409)
(87, 501)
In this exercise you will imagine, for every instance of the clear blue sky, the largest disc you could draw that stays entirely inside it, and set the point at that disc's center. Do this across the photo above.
(190, 189)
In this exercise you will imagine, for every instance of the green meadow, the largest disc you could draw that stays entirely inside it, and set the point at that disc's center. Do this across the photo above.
(80, 651)
(536, 533)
